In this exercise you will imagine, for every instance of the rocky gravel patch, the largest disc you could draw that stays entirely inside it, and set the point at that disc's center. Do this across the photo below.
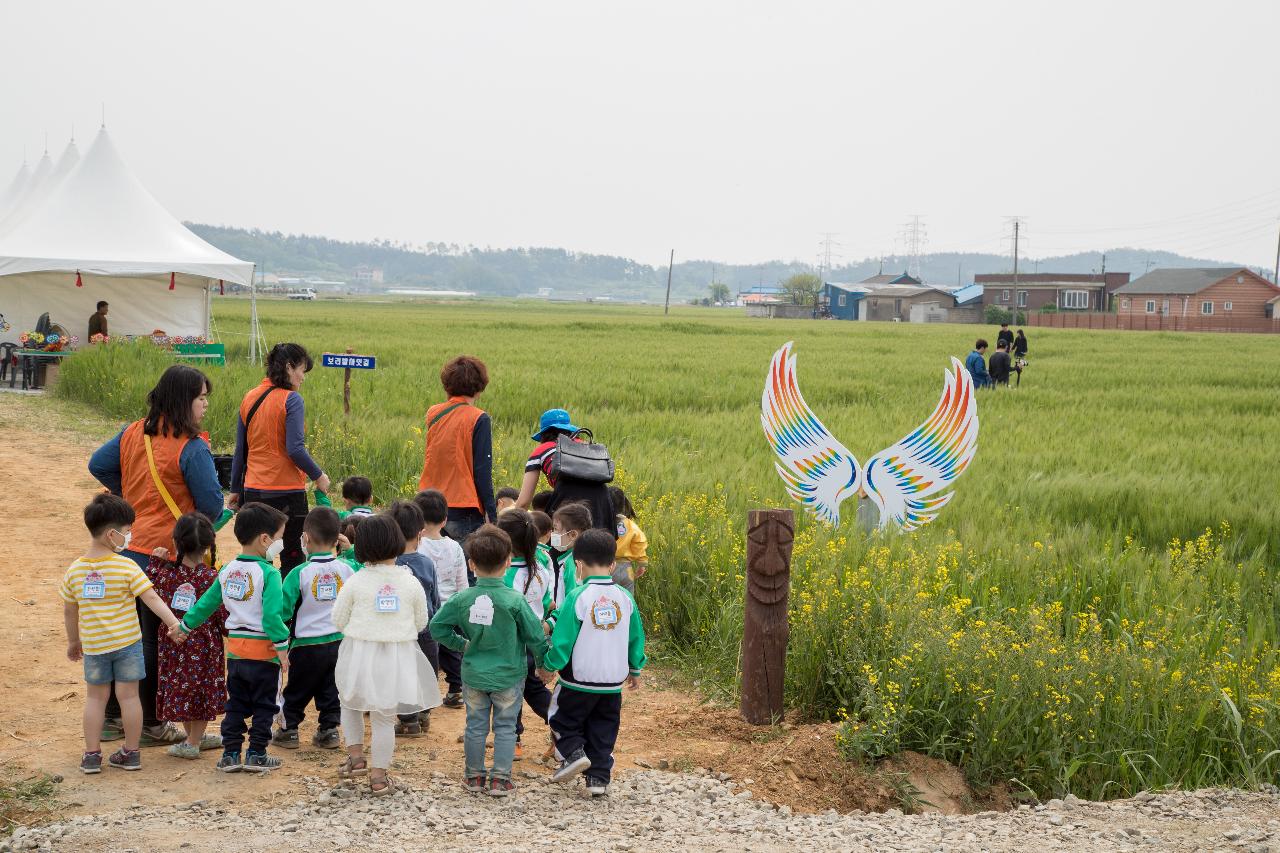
(653, 810)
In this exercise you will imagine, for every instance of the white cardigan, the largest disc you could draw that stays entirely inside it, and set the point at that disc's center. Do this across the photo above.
(356, 611)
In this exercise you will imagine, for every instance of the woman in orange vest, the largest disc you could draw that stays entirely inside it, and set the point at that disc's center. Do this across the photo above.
(163, 467)
(459, 448)
(271, 463)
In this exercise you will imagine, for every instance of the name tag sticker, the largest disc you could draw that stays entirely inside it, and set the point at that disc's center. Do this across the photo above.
(481, 611)
(94, 586)
(386, 601)
(604, 613)
(184, 597)
(326, 591)
(237, 590)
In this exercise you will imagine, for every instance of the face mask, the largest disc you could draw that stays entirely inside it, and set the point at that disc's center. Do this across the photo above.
(560, 541)
(274, 549)
(127, 537)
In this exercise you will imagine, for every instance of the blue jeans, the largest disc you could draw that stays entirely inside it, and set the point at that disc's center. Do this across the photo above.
(504, 706)
(121, 665)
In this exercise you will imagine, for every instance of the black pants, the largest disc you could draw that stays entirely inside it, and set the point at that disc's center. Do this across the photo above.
(149, 623)
(311, 677)
(536, 696)
(451, 663)
(251, 692)
(430, 649)
(588, 721)
(462, 522)
(294, 505)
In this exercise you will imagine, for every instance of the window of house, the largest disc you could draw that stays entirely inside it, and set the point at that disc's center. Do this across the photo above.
(897, 306)
(1075, 299)
(1206, 307)
(1124, 303)
(1164, 308)
(1151, 306)
(844, 299)
(1022, 299)
(1226, 306)
(1004, 296)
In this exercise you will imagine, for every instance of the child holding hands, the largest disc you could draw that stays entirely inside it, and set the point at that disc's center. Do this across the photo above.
(191, 689)
(98, 592)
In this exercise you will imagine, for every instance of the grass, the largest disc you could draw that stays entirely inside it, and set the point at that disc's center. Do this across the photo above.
(1095, 612)
(24, 800)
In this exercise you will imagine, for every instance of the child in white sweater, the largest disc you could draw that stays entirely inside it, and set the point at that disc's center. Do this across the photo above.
(380, 669)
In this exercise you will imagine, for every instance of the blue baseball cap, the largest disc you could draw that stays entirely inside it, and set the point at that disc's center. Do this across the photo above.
(557, 419)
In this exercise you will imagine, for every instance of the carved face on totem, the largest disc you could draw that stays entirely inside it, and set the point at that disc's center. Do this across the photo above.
(769, 561)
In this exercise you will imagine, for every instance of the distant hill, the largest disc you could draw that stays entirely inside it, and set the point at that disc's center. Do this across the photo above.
(509, 272)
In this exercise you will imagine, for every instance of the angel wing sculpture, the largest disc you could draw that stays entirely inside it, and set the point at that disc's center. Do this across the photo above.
(908, 482)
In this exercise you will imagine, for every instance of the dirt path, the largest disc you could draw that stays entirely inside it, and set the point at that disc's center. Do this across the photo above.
(43, 485)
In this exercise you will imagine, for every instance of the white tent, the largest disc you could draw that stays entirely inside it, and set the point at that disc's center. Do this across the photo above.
(100, 224)
(42, 184)
(15, 190)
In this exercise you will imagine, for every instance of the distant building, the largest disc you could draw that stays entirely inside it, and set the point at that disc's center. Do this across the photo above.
(369, 275)
(763, 294)
(1218, 297)
(901, 298)
(1064, 291)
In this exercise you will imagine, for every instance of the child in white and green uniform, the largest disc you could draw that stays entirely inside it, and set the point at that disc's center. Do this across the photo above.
(310, 591)
(596, 645)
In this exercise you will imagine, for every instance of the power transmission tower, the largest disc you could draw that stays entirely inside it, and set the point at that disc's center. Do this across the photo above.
(915, 236)
(828, 244)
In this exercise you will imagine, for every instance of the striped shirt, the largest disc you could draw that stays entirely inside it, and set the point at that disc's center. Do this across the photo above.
(104, 589)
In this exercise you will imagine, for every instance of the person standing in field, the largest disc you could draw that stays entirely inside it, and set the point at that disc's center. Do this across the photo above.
(542, 462)
(976, 364)
(458, 457)
(1001, 365)
(163, 467)
(271, 463)
(1004, 336)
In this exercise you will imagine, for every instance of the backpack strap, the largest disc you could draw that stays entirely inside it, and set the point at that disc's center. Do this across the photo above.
(446, 410)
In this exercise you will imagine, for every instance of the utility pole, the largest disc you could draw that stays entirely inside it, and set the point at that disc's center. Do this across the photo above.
(666, 309)
(1102, 297)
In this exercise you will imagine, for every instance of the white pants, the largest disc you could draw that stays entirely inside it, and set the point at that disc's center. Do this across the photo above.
(383, 740)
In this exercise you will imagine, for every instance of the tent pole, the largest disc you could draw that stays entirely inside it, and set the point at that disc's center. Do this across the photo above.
(208, 311)
(253, 314)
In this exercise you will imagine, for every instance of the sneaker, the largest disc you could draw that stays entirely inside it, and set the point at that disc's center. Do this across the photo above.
(112, 729)
(327, 739)
(571, 766)
(91, 763)
(286, 738)
(161, 735)
(411, 729)
(125, 760)
(519, 756)
(451, 700)
(597, 787)
(500, 787)
(210, 742)
(475, 784)
(229, 763)
(260, 762)
(184, 750)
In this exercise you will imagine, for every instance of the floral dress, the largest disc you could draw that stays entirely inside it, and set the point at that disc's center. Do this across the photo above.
(191, 684)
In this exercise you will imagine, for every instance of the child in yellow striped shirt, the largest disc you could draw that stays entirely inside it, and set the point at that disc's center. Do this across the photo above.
(98, 593)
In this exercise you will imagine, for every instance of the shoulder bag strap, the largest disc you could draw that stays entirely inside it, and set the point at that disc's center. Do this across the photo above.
(155, 478)
(446, 410)
(249, 417)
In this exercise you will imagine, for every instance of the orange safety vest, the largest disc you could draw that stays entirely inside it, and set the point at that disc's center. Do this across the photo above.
(270, 468)
(448, 463)
(153, 521)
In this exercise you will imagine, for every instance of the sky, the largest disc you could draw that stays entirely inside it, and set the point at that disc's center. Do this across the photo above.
(735, 131)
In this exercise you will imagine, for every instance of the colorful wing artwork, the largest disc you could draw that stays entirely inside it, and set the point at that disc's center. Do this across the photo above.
(818, 471)
(908, 482)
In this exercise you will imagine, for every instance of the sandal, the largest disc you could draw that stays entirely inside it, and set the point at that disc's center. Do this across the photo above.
(350, 769)
(389, 785)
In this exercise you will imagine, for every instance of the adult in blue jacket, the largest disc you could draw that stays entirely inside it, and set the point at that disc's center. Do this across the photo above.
(976, 364)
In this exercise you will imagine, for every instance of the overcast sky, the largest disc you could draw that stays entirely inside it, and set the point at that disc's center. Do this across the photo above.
(728, 130)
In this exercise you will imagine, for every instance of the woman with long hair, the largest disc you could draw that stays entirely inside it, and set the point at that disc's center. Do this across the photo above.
(271, 463)
(163, 467)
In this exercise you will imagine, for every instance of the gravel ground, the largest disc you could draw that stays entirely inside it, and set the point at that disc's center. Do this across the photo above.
(653, 810)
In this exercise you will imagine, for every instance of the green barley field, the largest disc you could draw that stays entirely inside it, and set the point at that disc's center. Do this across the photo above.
(1095, 612)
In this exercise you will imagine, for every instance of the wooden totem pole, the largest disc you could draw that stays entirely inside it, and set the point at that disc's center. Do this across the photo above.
(765, 628)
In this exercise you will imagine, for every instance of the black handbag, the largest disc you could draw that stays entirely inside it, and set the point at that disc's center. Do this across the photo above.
(582, 460)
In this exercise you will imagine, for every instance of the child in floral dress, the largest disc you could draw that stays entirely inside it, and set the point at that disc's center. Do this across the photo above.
(191, 688)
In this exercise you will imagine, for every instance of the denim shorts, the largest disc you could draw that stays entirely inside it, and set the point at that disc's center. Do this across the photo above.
(121, 665)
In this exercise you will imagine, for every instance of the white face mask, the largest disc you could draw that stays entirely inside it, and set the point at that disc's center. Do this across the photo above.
(127, 537)
(274, 549)
(560, 541)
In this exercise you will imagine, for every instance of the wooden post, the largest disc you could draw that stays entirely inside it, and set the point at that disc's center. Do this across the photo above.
(765, 626)
(346, 387)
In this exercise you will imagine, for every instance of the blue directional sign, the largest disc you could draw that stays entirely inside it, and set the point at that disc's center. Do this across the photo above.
(360, 362)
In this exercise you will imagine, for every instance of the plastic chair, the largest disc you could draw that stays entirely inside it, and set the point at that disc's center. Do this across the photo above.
(9, 364)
